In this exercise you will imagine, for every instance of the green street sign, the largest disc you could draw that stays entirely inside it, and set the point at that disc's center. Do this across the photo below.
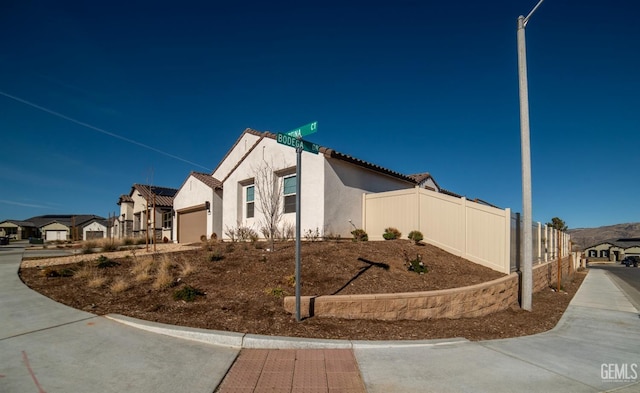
(304, 130)
(289, 140)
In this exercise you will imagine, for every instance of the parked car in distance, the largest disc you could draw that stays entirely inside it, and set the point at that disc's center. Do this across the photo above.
(631, 261)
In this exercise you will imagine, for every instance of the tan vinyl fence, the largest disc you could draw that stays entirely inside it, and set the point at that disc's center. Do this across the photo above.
(482, 234)
(468, 229)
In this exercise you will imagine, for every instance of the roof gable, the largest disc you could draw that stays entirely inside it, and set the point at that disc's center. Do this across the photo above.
(163, 195)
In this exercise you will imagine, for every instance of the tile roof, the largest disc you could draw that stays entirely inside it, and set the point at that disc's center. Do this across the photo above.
(207, 179)
(328, 152)
(124, 198)
(19, 223)
(164, 195)
(621, 243)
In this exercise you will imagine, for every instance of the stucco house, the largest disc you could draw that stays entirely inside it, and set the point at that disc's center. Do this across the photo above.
(16, 229)
(57, 227)
(145, 207)
(332, 188)
(613, 250)
(199, 196)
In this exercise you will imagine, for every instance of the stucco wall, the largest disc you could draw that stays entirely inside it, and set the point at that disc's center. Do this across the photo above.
(279, 157)
(235, 154)
(94, 227)
(344, 185)
(193, 193)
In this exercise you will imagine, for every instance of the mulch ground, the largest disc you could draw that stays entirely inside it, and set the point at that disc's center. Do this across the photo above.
(239, 287)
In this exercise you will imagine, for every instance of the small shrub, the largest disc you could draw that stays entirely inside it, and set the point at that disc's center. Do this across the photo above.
(275, 292)
(391, 233)
(48, 272)
(216, 256)
(104, 262)
(203, 238)
(416, 236)
(165, 239)
(359, 235)
(141, 240)
(288, 231)
(128, 241)
(416, 265)
(66, 272)
(187, 293)
(312, 235)
(291, 280)
(258, 245)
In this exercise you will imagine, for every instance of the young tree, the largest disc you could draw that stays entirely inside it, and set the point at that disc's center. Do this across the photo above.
(557, 223)
(269, 194)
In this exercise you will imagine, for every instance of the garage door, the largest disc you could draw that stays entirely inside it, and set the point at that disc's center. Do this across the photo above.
(94, 235)
(192, 225)
(55, 235)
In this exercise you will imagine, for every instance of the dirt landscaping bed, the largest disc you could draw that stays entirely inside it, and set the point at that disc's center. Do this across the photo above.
(240, 287)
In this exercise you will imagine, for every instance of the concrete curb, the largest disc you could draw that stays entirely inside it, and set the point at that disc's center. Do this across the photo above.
(242, 340)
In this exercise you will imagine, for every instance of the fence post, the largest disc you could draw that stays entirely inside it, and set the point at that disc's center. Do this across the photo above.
(507, 240)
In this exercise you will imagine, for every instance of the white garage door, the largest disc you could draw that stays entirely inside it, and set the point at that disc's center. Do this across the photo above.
(192, 225)
(56, 235)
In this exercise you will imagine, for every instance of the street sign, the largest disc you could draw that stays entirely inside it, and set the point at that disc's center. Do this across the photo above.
(304, 130)
(292, 141)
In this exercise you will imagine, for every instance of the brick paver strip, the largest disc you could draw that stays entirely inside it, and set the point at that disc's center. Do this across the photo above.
(294, 371)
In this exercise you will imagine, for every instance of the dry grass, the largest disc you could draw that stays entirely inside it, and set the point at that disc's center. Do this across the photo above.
(86, 271)
(164, 278)
(142, 268)
(96, 281)
(120, 285)
(186, 268)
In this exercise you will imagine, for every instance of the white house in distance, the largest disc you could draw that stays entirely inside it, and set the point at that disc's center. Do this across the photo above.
(332, 188)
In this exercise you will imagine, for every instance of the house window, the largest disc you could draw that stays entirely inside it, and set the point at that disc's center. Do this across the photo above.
(289, 194)
(604, 253)
(250, 201)
(593, 253)
(167, 220)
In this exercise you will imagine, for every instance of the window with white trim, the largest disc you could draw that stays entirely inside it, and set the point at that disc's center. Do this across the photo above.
(289, 192)
(250, 201)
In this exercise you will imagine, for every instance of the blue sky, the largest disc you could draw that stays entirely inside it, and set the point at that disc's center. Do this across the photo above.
(96, 96)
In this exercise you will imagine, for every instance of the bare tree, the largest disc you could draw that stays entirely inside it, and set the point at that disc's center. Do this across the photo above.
(269, 194)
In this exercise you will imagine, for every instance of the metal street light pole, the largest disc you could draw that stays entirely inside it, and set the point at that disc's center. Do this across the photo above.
(527, 240)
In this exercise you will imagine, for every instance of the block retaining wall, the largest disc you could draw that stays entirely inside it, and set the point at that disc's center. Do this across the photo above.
(466, 302)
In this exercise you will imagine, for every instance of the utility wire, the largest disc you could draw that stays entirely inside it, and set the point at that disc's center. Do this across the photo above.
(60, 115)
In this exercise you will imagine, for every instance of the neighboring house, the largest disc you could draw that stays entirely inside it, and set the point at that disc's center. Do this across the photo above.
(332, 187)
(613, 250)
(94, 229)
(56, 230)
(199, 196)
(54, 227)
(18, 229)
(145, 207)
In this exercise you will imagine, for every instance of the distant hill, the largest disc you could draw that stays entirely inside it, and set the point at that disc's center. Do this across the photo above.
(586, 237)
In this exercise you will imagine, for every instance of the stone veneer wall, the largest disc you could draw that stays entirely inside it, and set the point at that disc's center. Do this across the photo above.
(466, 302)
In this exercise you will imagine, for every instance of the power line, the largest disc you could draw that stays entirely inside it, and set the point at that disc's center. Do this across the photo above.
(60, 115)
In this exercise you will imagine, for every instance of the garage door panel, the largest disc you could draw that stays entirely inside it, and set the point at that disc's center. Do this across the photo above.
(191, 226)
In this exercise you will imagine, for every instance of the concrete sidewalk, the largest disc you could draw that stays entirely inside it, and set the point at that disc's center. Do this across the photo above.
(48, 347)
